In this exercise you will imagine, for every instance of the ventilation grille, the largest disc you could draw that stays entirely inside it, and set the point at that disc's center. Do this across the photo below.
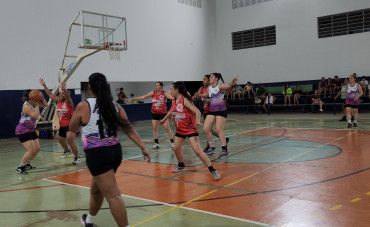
(242, 3)
(254, 38)
(344, 23)
(195, 3)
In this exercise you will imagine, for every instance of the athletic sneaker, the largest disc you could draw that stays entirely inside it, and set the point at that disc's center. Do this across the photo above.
(216, 175)
(156, 146)
(354, 124)
(206, 148)
(76, 161)
(66, 153)
(29, 167)
(224, 154)
(22, 170)
(83, 221)
(178, 169)
(320, 110)
(172, 145)
(349, 125)
(210, 150)
(343, 118)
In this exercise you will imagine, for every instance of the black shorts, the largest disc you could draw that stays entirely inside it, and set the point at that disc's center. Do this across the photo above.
(219, 113)
(343, 101)
(100, 160)
(27, 136)
(351, 106)
(205, 116)
(158, 117)
(184, 136)
(63, 131)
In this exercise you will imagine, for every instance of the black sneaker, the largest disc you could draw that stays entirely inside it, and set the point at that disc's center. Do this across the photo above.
(354, 124)
(22, 170)
(83, 221)
(29, 167)
(349, 125)
(210, 150)
(343, 118)
(205, 149)
(224, 154)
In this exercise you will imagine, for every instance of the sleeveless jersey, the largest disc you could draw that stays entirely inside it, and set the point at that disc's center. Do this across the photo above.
(205, 101)
(159, 103)
(65, 113)
(216, 97)
(91, 138)
(183, 117)
(26, 123)
(352, 92)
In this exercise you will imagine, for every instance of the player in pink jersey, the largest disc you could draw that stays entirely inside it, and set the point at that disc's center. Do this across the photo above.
(159, 111)
(25, 131)
(65, 111)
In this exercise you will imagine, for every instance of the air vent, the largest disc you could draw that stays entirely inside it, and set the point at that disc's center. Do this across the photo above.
(254, 38)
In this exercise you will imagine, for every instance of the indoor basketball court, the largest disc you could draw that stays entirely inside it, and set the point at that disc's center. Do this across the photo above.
(287, 164)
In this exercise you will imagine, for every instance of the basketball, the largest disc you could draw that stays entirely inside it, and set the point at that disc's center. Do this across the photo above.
(35, 96)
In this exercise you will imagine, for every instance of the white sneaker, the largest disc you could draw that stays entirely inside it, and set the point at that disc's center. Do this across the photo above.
(172, 145)
(76, 161)
(66, 154)
(156, 146)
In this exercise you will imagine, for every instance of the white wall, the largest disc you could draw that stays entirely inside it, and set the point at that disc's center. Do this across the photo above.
(299, 54)
(166, 41)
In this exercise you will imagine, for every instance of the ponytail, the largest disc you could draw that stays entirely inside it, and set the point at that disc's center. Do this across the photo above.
(179, 85)
(26, 95)
(109, 118)
(219, 76)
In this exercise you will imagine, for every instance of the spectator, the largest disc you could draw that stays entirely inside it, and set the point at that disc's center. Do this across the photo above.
(238, 91)
(315, 99)
(343, 93)
(322, 86)
(297, 94)
(364, 84)
(329, 86)
(337, 84)
(261, 92)
(230, 92)
(247, 89)
(122, 98)
(287, 92)
(269, 101)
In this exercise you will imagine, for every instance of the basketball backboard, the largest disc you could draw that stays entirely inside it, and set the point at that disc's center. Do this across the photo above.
(99, 29)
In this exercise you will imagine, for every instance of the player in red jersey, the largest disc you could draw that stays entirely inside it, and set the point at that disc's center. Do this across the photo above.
(65, 111)
(206, 105)
(183, 111)
(159, 111)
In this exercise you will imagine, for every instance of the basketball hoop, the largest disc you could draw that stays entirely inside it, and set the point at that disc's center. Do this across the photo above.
(114, 50)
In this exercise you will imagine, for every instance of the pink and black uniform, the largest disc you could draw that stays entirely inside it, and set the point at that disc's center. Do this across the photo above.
(65, 113)
(205, 102)
(159, 107)
(25, 129)
(217, 103)
(103, 151)
(184, 119)
(352, 92)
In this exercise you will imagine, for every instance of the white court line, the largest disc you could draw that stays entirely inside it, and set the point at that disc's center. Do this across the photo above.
(167, 204)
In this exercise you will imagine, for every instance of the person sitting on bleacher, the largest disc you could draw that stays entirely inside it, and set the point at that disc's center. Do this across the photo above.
(297, 94)
(287, 92)
(329, 86)
(315, 99)
(322, 86)
(237, 91)
(269, 101)
(337, 84)
(261, 92)
(247, 89)
(364, 84)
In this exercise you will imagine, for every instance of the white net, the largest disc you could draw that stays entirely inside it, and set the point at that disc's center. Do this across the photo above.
(114, 52)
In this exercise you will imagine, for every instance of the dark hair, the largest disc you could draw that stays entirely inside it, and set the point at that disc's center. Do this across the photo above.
(219, 76)
(179, 85)
(26, 95)
(208, 76)
(107, 111)
(158, 82)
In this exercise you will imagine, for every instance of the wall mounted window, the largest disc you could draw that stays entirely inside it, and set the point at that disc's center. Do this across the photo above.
(242, 3)
(254, 38)
(195, 3)
(344, 23)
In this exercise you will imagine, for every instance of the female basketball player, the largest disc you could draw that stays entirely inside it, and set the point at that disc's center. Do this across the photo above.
(217, 113)
(159, 110)
(25, 131)
(65, 112)
(183, 111)
(205, 102)
(100, 118)
(354, 92)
